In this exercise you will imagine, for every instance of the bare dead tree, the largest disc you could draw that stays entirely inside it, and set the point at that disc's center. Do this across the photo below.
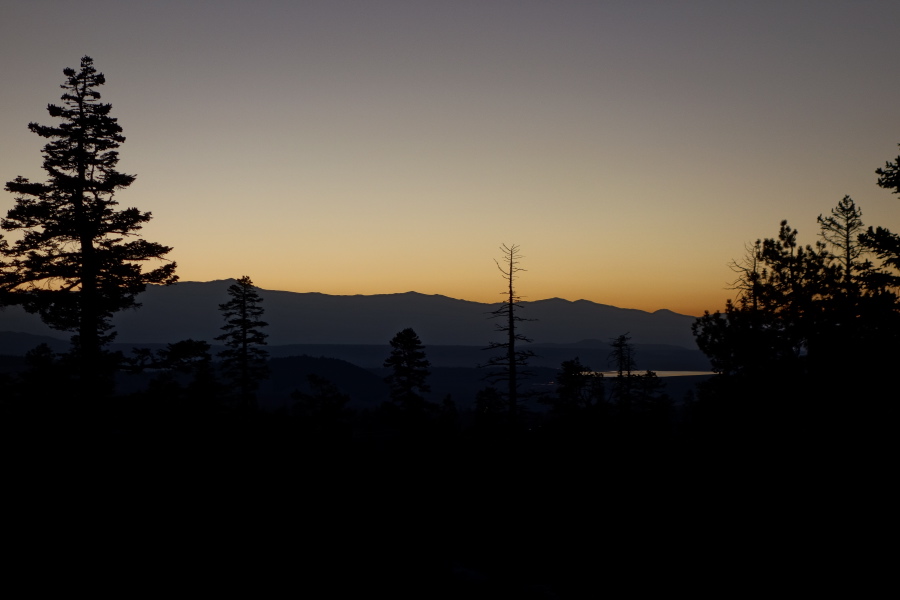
(512, 365)
(751, 275)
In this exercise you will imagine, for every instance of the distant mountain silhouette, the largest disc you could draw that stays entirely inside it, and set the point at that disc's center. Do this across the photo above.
(190, 310)
(15, 343)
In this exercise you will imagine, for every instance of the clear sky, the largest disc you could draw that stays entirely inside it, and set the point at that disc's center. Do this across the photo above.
(630, 148)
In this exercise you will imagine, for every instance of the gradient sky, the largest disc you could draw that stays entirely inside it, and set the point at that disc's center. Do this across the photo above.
(630, 148)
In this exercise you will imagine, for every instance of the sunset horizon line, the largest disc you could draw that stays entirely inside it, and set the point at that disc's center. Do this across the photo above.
(451, 297)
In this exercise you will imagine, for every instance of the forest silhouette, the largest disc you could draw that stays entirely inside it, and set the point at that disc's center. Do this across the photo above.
(528, 488)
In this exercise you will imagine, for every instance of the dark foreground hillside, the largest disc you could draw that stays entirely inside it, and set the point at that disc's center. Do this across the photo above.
(569, 503)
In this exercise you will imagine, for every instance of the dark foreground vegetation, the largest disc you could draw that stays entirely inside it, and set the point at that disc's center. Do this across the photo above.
(411, 497)
(608, 483)
(161, 463)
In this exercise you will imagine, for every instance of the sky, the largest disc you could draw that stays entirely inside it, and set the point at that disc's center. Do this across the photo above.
(630, 149)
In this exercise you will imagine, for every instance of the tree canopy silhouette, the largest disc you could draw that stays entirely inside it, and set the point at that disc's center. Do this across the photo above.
(889, 176)
(622, 354)
(409, 371)
(881, 241)
(779, 308)
(808, 310)
(841, 230)
(578, 388)
(805, 313)
(244, 362)
(77, 259)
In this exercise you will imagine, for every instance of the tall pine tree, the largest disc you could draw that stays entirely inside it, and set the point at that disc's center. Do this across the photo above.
(244, 362)
(409, 371)
(842, 230)
(76, 258)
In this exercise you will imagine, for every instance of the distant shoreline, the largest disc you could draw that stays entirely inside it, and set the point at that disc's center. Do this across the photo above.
(657, 373)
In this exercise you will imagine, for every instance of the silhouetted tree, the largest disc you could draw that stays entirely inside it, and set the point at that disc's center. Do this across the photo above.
(634, 393)
(889, 176)
(409, 371)
(185, 356)
(78, 260)
(650, 390)
(244, 362)
(885, 245)
(750, 275)
(622, 357)
(578, 388)
(798, 278)
(140, 359)
(881, 241)
(806, 358)
(862, 289)
(807, 325)
(779, 311)
(622, 354)
(841, 230)
(512, 365)
(744, 319)
(738, 339)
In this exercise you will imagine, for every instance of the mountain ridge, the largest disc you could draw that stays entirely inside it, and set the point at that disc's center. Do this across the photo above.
(190, 310)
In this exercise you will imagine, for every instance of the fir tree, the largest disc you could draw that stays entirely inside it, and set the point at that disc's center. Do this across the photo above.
(409, 371)
(578, 388)
(882, 241)
(622, 355)
(244, 362)
(889, 176)
(77, 259)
